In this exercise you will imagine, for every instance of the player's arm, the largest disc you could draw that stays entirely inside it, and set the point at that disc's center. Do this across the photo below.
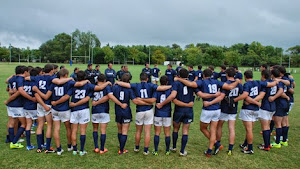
(241, 97)
(123, 84)
(102, 87)
(61, 100)
(100, 101)
(149, 100)
(168, 100)
(81, 83)
(196, 78)
(82, 101)
(216, 100)
(286, 82)
(44, 96)
(40, 100)
(291, 90)
(207, 95)
(260, 96)
(26, 95)
(277, 95)
(114, 99)
(141, 102)
(227, 86)
(187, 82)
(272, 84)
(6, 81)
(12, 97)
(58, 81)
(285, 96)
(163, 88)
(182, 104)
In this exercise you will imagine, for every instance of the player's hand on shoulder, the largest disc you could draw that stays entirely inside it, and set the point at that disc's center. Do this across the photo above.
(176, 78)
(238, 80)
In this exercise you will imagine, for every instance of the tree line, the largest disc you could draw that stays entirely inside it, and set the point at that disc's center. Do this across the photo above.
(58, 50)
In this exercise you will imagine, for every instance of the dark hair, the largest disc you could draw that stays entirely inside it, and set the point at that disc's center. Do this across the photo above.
(122, 66)
(109, 63)
(170, 65)
(183, 73)
(248, 74)
(81, 75)
(19, 70)
(180, 64)
(97, 66)
(207, 73)
(199, 67)
(230, 72)
(235, 67)
(163, 80)
(282, 69)
(39, 69)
(275, 66)
(29, 68)
(143, 76)
(34, 72)
(89, 65)
(48, 68)
(211, 68)
(146, 63)
(125, 77)
(55, 66)
(266, 73)
(275, 73)
(63, 72)
(101, 77)
(264, 66)
(223, 67)
(191, 66)
(76, 68)
(61, 67)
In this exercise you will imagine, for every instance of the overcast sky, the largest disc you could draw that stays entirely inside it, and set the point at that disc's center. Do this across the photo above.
(160, 22)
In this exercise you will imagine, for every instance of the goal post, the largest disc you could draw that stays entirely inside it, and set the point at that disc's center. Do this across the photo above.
(79, 59)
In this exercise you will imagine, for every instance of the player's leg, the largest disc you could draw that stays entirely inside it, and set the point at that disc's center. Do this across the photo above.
(176, 127)
(119, 126)
(11, 130)
(157, 130)
(219, 131)
(56, 135)
(285, 128)
(103, 127)
(74, 137)
(82, 138)
(28, 133)
(167, 131)
(184, 138)
(278, 125)
(147, 130)
(69, 133)
(249, 136)
(231, 128)
(212, 137)
(39, 136)
(204, 130)
(20, 130)
(123, 139)
(265, 126)
(95, 137)
(49, 121)
(138, 133)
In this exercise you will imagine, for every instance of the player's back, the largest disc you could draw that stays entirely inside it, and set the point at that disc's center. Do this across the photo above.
(14, 83)
(103, 107)
(161, 96)
(253, 88)
(266, 104)
(233, 93)
(58, 91)
(143, 90)
(79, 93)
(123, 95)
(211, 86)
(184, 94)
(28, 104)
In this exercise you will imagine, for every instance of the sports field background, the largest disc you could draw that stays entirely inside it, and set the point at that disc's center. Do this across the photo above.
(286, 157)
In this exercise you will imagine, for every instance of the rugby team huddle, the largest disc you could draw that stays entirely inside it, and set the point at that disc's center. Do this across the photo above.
(48, 95)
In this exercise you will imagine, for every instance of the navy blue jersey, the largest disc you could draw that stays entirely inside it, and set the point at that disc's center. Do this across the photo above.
(253, 88)
(148, 72)
(161, 96)
(170, 73)
(215, 75)
(211, 86)
(110, 75)
(223, 77)
(199, 74)
(233, 93)
(143, 90)
(14, 83)
(28, 104)
(155, 72)
(184, 94)
(43, 83)
(282, 103)
(192, 75)
(238, 75)
(103, 107)
(291, 96)
(79, 93)
(58, 91)
(120, 74)
(124, 95)
(178, 69)
(265, 104)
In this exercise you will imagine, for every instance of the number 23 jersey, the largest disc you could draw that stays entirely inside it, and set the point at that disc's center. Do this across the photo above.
(80, 93)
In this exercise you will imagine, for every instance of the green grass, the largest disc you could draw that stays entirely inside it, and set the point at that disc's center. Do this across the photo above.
(287, 157)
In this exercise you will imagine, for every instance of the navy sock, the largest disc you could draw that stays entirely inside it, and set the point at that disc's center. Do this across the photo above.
(278, 134)
(168, 142)
(11, 133)
(184, 141)
(245, 143)
(250, 146)
(39, 141)
(123, 140)
(119, 137)
(59, 149)
(284, 133)
(75, 148)
(265, 137)
(137, 147)
(146, 149)
(95, 136)
(48, 143)
(69, 145)
(156, 142)
(102, 140)
(27, 132)
(287, 132)
(218, 144)
(82, 142)
(7, 138)
(230, 147)
(272, 124)
(269, 137)
(43, 138)
(174, 137)
(18, 135)
(209, 151)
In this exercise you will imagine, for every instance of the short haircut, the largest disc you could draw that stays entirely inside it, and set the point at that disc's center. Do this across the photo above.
(248, 74)
(282, 69)
(230, 72)
(183, 73)
(48, 68)
(101, 77)
(97, 66)
(275, 66)
(235, 67)
(29, 68)
(207, 73)
(61, 67)
(163, 80)
(266, 73)
(143, 76)
(211, 68)
(223, 67)
(170, 65)
(80, 75)
(55, 66)
(191, 66)
(109, 63)
(89, 65)
(63, 72)
(199, 67)
(275, 73)
(39, 69)
(125, 66)
(125, 77)
(146, 63)
(180, 64)
(122, 66)
(19, 70)
(34, 72)
(76, 68)
(264, 66)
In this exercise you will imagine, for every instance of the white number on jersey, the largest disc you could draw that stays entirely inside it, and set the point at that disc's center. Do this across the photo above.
(254, 91)
(213, 88)
(80, 94)
(14, 85)
(144, 93)
(42, 84)
(273, 90)
(162, 98)
(285, 89)
(185, 90)
(98, 95)
(28, 89)
(59, 91)
(234, 92)
(121, 95)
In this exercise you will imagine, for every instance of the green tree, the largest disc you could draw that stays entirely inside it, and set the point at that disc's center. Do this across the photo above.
(4, 54)
(193, 55)
(233, 58)
(108, 54)
(158, 57)
(214, 56)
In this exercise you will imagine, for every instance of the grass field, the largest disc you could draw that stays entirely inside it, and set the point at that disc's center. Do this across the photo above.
(286, 157)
